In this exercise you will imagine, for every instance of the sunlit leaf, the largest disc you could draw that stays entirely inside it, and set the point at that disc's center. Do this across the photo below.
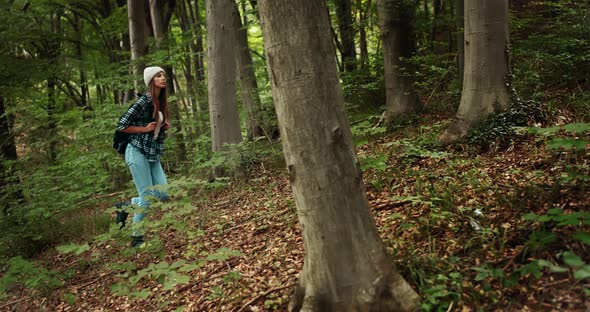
(572, 259)
(584, 237)
(582, 273)
(577, 127)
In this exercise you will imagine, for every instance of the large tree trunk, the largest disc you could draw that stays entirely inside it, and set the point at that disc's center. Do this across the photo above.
(137, 36)
(486, 66)
(221, 75)
(346, 267)
(396, 35)
(344, 14)
(248, 84)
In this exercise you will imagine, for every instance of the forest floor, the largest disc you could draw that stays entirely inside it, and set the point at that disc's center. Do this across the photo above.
(501, 230)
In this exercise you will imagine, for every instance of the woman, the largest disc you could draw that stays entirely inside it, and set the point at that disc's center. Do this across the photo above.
(144, 120)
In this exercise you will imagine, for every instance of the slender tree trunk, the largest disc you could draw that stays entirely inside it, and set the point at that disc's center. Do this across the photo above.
(159, 10)
(51, 53)
(338, 47)
(157, 21)
(185, 26)
(344, 15)
(76, 24)
(345, 267)
(198, 45)
(191, 88)
(8, 145)
(248, 84)
(437, 32)
(363, 13)
(137, 36)
(200, 109)
(128, 95)
(51, 119)
(486, 66)
(8, 177)
(459, 24)
(396, 33)
(221, 75)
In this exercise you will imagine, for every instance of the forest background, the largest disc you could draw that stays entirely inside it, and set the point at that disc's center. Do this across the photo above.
(497, 219)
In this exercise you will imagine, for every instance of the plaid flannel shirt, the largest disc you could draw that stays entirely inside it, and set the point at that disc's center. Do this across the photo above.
(140, 114)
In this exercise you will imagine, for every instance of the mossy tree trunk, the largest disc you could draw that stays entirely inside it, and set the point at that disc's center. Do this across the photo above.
(397, 37)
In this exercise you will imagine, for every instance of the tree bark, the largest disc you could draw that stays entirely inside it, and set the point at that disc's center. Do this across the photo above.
(221, 75)
(345, 267)
(248, 84)
(137, 36)
(8, 145)
(459, 25)
(198, 44)
(7, 174)
(437, 33)
(76, 24)
(363, 13)
(344, 15)
(51, 53)
(486, 66)
(159, 11)
(396, 34)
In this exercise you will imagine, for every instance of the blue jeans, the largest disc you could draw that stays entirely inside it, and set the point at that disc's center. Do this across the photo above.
(146, 175)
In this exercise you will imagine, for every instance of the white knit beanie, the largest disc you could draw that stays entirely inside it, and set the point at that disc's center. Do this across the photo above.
(150, 72)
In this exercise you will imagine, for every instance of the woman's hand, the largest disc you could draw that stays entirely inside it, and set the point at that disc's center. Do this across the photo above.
(150, 127)
(166, 126)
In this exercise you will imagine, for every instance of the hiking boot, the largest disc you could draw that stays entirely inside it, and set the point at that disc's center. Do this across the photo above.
(121, 213)
(136, 241)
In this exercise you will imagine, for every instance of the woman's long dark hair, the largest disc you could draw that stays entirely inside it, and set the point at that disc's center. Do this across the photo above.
(161, 103)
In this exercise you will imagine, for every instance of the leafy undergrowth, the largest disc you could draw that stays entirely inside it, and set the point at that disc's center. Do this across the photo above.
(505, 230)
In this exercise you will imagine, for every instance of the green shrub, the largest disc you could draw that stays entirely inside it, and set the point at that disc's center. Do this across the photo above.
(19, 271)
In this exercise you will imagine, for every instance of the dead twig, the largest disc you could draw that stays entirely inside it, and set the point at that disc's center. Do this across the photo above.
(100, 196)
(392, 205)
(96, 279)
(450, 306)
(13, 302)
(263, 295)
(379, 121)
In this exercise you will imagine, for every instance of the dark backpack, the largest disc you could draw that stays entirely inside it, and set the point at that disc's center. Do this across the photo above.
(121, 139)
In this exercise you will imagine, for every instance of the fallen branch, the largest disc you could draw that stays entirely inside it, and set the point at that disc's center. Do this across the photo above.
(94, 280)
(392, 205)
(263, 295)
(379, 121)
(13, 302)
